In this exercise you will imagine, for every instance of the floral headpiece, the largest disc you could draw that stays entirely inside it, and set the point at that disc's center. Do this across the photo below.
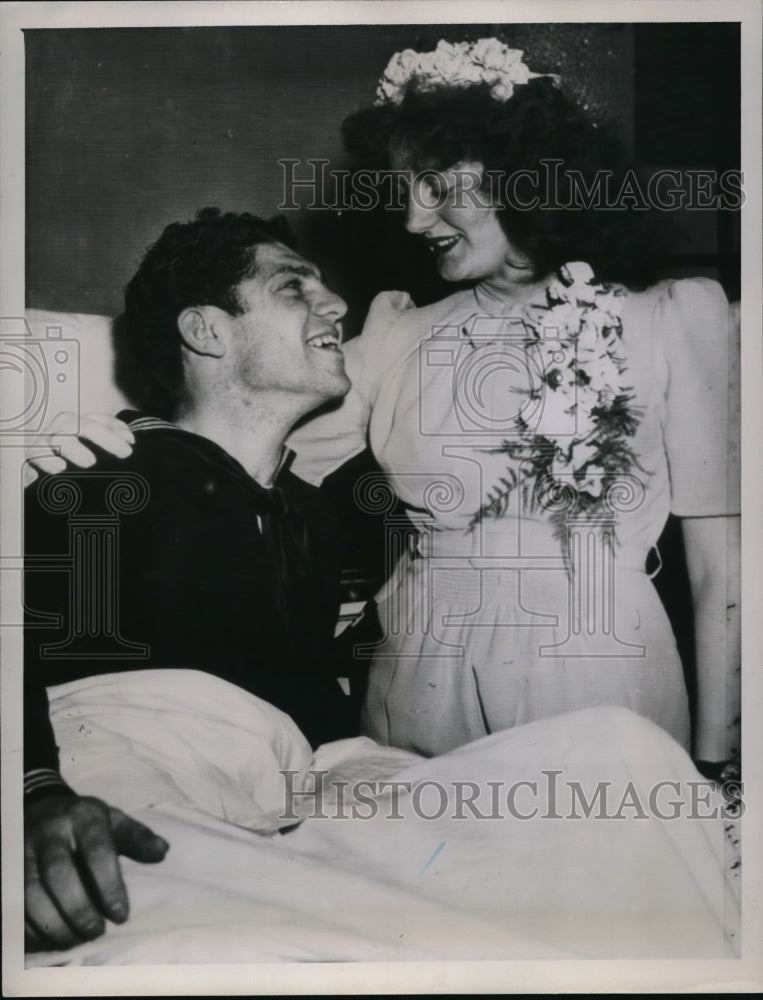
(458, 64)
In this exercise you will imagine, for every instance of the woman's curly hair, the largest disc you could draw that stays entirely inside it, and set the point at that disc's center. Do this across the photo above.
(539, 130)
(191, 264)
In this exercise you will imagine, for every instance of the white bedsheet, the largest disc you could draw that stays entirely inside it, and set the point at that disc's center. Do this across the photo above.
(198, 760)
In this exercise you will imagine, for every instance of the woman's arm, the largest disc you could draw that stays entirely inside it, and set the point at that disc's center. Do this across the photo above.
(696, 330)
(61, 443)
(713, 561)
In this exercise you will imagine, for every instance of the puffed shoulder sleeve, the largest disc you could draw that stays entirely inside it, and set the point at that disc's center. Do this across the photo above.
(326, 441)
(695, 328)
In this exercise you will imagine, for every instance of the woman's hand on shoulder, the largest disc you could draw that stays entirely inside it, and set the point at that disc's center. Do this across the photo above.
(63, 443)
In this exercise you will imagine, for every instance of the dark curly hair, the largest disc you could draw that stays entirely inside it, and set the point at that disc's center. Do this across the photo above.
(191, 264)
(539, 124)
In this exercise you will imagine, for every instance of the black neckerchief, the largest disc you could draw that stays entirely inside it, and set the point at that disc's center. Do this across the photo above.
(283, 528)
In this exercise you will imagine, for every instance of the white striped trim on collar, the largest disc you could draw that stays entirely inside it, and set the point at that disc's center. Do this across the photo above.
(150, 424)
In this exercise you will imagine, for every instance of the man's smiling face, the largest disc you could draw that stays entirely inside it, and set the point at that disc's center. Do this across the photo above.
(287, 340)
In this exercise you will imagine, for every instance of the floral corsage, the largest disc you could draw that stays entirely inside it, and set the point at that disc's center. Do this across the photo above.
(573, 432)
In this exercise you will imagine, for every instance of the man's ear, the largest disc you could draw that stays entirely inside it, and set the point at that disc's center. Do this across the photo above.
(201, 329)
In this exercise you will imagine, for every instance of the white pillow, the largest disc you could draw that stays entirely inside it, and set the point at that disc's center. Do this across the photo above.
(78, 356)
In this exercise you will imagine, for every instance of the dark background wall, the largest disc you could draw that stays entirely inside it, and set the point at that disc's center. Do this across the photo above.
(129, 129)
(687, 116)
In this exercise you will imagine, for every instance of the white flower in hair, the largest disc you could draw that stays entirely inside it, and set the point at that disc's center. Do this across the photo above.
(502, 90)
(459, 64)
(454, 66)
(492, 54)
(447, 59)
(401, 66)
(425, 66)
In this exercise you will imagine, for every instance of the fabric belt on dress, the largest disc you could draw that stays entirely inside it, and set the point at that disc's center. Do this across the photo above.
(630, 559)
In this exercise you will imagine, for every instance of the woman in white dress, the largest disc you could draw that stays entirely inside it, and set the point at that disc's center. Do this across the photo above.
(539, 424)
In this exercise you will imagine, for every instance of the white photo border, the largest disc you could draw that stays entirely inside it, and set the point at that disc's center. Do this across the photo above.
(742, 975)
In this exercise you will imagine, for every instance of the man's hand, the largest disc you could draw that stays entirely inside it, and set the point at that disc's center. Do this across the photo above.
(57, 445)
(71, 872)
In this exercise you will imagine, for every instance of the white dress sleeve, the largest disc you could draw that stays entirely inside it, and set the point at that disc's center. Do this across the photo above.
(695, 331)
(325, 442)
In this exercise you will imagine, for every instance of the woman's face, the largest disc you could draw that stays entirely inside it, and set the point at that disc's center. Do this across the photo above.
(455, 220)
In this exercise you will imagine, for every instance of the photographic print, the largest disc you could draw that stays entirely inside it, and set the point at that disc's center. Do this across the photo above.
(380, 543)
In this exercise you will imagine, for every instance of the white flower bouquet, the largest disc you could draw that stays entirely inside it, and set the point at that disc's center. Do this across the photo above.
(587, 391)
